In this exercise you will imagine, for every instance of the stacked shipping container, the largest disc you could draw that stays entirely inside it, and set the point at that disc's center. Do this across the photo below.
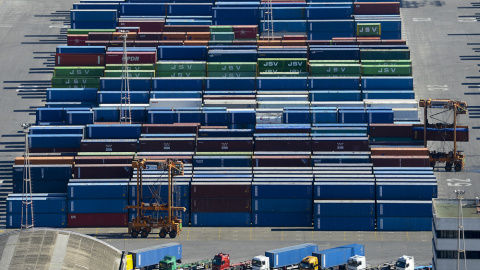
(278, 132)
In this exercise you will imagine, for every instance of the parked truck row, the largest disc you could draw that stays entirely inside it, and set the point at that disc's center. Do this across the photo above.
(301, 257)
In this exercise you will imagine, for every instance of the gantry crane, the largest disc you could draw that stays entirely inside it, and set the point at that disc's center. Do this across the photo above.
(453, 158)
(143, 224)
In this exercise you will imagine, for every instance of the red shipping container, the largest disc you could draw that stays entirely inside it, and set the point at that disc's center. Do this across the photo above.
(390, 130)
(442, 135)
(145, 26)
(133, 57)
(220, 190)
(146, 43)
(76, 40)
(245, 31)
(167, 144)
(339, 144)
(281, 161)
(45, 160)
(108, 146)
(103, 159)
(221, 205)
(283, 144)
(400, 161)
(97, 220)
(186, 28)
(100, 36)
(81, 59)
(105, 43)
(225, 145)
(102, 171)
(149, 36)
(375, 8)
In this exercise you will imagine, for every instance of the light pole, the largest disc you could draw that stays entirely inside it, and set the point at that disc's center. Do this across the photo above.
(27, 202)
(461, 231)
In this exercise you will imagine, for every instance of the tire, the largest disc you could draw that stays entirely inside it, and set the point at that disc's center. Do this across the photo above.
(458, 167)
(144, 233)
(172, 234)
(134, 234)
(162, 233)
(448, 167)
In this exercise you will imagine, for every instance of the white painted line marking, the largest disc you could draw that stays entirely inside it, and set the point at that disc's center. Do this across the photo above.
(434, 87)
(422, 19)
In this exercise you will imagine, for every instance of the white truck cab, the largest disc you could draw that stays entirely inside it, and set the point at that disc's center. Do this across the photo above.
(405, 263)
(260, 262)
(357, 262)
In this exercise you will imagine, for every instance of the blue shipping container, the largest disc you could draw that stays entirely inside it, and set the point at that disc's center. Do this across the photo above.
(97, 190)
(281, 219)
(290, 255)
(404, 208)
(79, 206)
(41, 205)
(277, 190)
(404, 224)
(344, 224)
(344, 208)
(152, 255)
(237, 219)
(58, 220)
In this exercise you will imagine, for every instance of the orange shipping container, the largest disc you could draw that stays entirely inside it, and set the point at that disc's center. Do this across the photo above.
(195, 42)
(198, 36)
(399, 151)
(174, 35)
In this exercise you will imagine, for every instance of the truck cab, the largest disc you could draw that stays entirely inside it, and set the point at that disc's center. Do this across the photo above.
(221, 261)
(405, 263)
(168, 263)
(309, 263)
(260, 262)
(357, 262)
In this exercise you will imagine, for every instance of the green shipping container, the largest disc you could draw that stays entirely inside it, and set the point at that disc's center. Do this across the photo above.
(386, 62)
(131, 73)
(387, 70)
(232, 67)
(78, 71)
(282, 64)
(335, 69)
(393, 54)
(181, 66)
(369, 29)
(231, 74)
(181, 74)
(76, 86)
(86, 31)
(222, 36)
(220, 28)
(131, 66)
(75, 81)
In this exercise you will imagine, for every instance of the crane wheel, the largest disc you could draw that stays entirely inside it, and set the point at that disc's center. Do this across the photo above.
(144, 234)
(134, 234)
(162, 233)
(458, 167)
(172, 234)
(448, 167)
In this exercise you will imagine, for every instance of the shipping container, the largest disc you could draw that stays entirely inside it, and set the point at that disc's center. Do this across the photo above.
(96, 220)
(277, 190)
(57, 220)
(88, 206)
(344, 224)
(49, 203)
(290, 255)
(336, 190)
(404, 224)
(282, 205)
(90, 171)
(238, 219)
(344, 208)
(405, 191)
(153, 255)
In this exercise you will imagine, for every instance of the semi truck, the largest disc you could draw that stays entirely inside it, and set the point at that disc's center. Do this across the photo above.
(283, 258)
(405, 263)
(150, 256)
(351, 257)
(170, 263)
(221, 261)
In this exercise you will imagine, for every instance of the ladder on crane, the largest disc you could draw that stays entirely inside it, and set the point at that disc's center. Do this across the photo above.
(125, 108)
(268, 21)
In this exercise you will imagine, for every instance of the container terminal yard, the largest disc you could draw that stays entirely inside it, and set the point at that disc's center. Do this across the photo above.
(442, 42)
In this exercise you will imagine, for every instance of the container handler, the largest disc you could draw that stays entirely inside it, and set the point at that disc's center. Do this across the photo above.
(455, 158)
(143, 224)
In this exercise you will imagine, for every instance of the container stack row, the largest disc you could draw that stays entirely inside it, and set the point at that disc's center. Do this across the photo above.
(315, 126)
